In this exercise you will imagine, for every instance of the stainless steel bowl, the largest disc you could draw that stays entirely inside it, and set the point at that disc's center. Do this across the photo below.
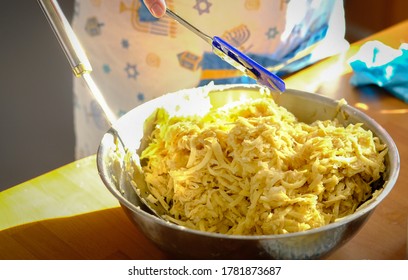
(182, 242)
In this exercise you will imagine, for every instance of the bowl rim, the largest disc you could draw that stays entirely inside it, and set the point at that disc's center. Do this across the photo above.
(388, 185)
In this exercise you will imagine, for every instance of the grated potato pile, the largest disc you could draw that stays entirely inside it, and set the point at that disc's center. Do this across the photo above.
(255, 170)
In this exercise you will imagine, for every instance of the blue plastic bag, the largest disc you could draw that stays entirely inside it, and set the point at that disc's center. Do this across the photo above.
(378, 64)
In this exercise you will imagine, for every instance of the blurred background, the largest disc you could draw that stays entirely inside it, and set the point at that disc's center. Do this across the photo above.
(36, 118)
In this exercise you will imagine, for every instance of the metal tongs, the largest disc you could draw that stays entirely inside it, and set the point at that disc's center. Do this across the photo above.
(77, 58)
(234, 57)
(81, 67)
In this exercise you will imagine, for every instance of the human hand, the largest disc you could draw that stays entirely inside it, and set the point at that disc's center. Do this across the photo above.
(156, 7)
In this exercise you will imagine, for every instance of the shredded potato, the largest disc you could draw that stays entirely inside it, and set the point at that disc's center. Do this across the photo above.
(254, 169)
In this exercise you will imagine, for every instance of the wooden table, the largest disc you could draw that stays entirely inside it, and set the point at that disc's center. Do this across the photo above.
(69, 214)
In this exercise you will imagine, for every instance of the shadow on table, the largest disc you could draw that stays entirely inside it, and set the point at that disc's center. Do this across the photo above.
(105, 234)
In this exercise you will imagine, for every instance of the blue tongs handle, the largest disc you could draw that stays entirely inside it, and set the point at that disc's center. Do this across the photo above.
(246, 64)
(234, 57)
